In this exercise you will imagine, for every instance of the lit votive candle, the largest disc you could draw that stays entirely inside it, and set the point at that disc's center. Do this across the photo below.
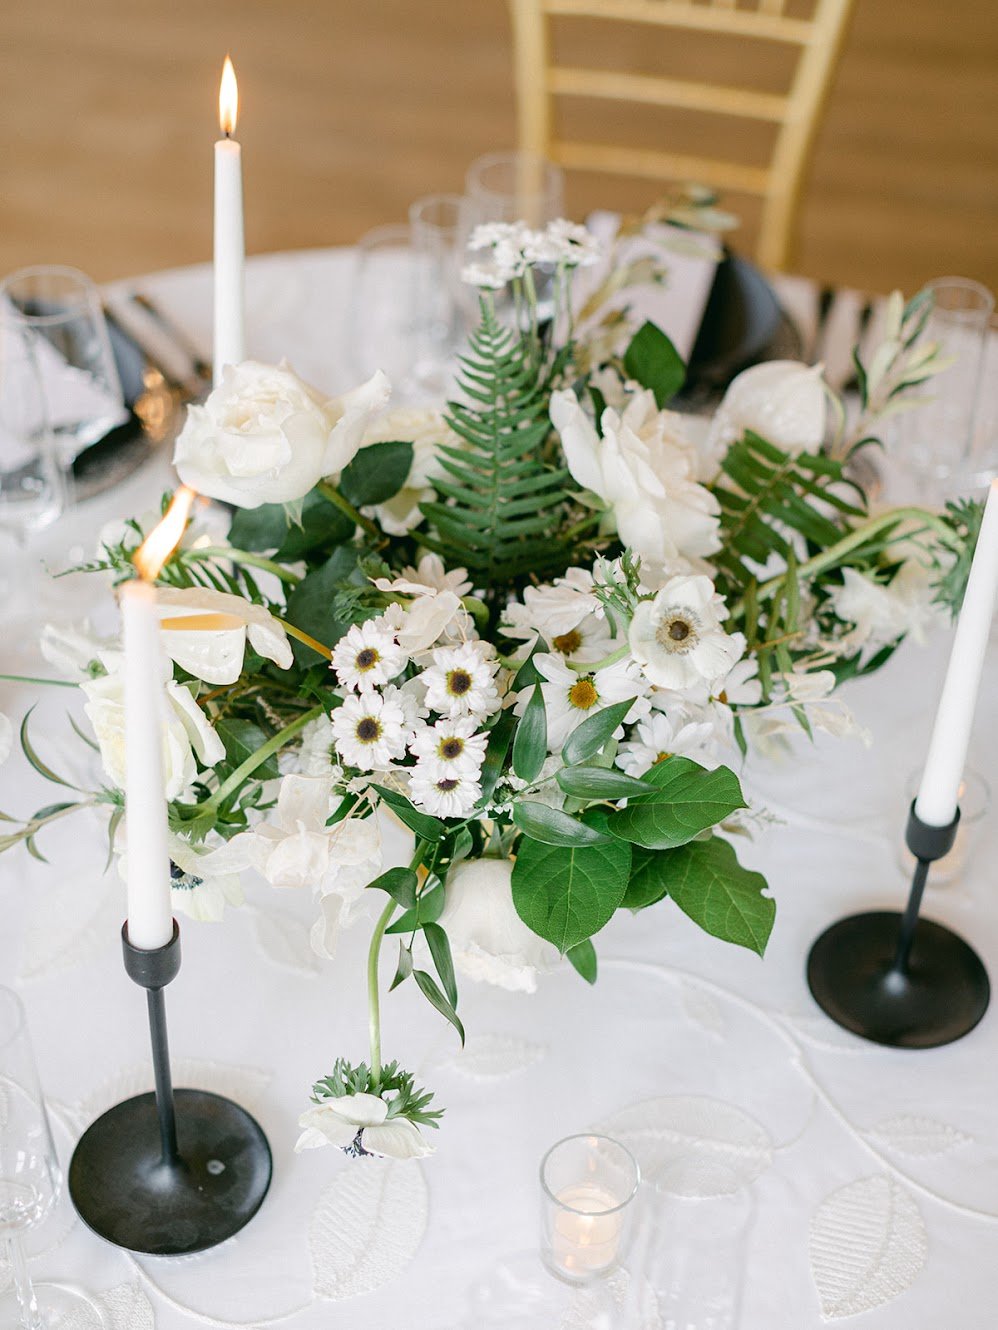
(588, 1185)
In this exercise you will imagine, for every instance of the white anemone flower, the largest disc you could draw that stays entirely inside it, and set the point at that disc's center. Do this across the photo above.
(461, 681)
(451, 747)
(371, 730)
(569, 697)
(489, 941)
(206, 631)
(205, 878)
(359, 1124)
(677, 636)
(368, 656)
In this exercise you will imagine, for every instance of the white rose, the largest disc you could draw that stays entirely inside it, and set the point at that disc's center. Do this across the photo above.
(186, 731)
(489, 941)
(427, 430)
(265, 436)
(781, 400)
(642, 468)
(213, 647)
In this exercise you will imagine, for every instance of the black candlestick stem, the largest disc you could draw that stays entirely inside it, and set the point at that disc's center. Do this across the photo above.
(176, 1171)
(899, 979)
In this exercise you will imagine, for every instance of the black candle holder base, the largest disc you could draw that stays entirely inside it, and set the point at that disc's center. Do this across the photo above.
(126, 1193)
(939, 996)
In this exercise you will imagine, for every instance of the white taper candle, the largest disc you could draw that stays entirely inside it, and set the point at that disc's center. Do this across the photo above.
(229, 247)
(938, 793)
(150, 916)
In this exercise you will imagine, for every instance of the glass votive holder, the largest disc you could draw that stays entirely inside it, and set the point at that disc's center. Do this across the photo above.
(588, 1187)
(975, 804)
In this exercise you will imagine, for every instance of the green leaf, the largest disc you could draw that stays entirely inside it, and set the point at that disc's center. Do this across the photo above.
(530, 746)
(528, 673)
(599, 783)
(428, 828)
(429, 908)
(436, 940)
(320, 527)
(686, 800)
(403, 969)
(241, 739)
(309, 605)
(587, 739)
(648, 882)
(655, 363)
(259, 529)
(583, 958)
(400, 883)
(553, 827)
(567, 894)
(377, 473)
(726, 900)
(37, 763)
(437, 999)
(495, 754)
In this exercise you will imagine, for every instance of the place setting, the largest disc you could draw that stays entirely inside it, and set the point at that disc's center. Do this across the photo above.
(519, 723)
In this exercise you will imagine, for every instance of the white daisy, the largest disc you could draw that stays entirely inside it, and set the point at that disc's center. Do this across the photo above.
(570, 697)
(368, 655)
(370, 730)
(427, 579)
(443, 796)
(461, 682)
(677, 637)
(741, 686)
(659, 736)
(451, 747)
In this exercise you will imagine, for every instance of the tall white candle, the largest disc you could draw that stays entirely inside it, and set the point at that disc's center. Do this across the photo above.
(150, 917)
(229, 244)
(938, 793)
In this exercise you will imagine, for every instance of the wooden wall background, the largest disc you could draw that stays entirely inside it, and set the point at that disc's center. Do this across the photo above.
(350, 110)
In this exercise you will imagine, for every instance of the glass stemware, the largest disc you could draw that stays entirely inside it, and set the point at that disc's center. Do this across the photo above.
(30, 1184)
(32, 479)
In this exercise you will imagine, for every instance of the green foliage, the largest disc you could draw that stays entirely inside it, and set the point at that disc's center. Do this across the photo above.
(599, 783)
(401, 885)
(684, 800)
(376, 474)
(583, 959)
(530, 745)
(550, 826)
(241, 739)
(502, 502)
(587, 739)
(965, 517)
(395, 1086)
(726, 900)
(567, 893)
(310, 604)
(654, 362)
(427, 827)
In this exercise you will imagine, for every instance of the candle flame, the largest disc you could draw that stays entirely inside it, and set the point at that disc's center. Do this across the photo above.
(228, 99)
(163, 539)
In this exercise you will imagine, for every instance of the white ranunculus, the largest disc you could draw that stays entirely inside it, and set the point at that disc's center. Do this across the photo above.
(213, 650)
(265, 436)
(488, 939)
(361, 1119)
(677, 636)
(186, 730)
(642, 468)
(425, 428)
(782, 400)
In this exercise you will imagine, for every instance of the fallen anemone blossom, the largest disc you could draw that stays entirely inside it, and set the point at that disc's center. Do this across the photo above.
(359, 1125)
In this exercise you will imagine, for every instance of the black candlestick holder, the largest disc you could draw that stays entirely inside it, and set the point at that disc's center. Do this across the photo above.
(895, 978)
(171, 1172)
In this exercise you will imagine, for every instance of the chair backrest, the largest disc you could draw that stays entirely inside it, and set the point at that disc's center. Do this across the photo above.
(815, 42)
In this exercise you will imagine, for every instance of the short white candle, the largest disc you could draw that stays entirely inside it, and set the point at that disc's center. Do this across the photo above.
(229, 244)
(150, 916)
(938, 793)
(586, 1239)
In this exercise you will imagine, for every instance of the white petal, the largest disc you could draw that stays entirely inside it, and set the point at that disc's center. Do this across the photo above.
(352, 413)
(578, 440)
(335, 1127)
(398, 1139)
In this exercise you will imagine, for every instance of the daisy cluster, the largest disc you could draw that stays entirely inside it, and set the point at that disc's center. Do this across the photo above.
(510, 248)
(418, 690)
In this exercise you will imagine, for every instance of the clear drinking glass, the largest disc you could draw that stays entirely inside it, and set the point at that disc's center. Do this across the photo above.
(588, 1187)
(30, 1183)
(61, 307)
(975, 807)
(379, 327)
(436, 225)
(32, 477)
(512, 187)
(933, 442)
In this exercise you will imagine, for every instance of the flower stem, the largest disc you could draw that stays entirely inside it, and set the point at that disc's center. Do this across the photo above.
(273, 745)
(240, 556)
(333, 495)
(373, 957)
(27, 678)
(304, 637)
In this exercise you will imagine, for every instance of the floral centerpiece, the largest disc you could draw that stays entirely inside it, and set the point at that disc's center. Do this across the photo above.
(484, 665)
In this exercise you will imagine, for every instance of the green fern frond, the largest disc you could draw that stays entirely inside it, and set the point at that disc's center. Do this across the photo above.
(502, 501)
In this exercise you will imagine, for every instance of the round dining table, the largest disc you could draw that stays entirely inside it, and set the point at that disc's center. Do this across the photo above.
(868, 1175)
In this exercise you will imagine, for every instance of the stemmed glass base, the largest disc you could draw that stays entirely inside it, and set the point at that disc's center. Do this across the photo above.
(56, 1307)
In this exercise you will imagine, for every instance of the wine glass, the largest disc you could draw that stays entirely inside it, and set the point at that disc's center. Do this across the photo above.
(30, 1183)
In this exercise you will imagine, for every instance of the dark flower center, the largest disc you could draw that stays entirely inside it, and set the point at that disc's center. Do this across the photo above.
(567, 643)
(458, 682)
(447, 784)
(451, 748)
(368, 729)
(678, 630)
(367, 658)
(185, 881)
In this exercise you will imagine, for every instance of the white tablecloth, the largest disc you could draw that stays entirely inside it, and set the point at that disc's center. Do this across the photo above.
(873, 1173)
